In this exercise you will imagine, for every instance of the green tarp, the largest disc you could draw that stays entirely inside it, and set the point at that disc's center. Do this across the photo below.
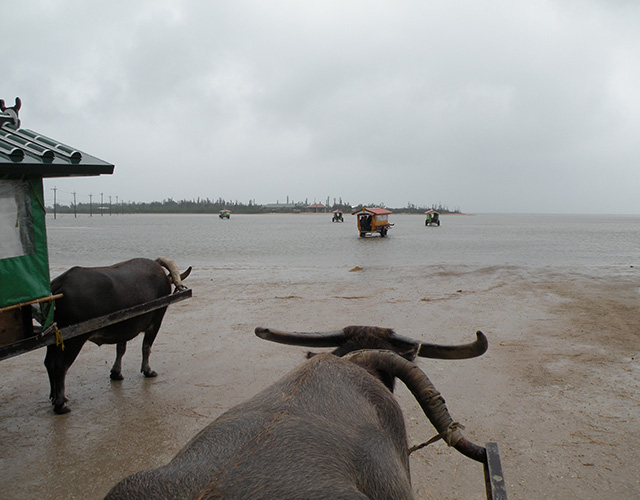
(24, 261)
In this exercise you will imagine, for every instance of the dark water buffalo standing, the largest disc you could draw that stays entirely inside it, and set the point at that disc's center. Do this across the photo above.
(90, 292)
(330, 429)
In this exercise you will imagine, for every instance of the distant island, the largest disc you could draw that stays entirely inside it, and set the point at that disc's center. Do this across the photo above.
(207, 206)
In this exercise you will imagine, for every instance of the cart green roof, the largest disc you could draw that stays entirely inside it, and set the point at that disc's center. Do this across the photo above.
(26, 157)
(25, 153)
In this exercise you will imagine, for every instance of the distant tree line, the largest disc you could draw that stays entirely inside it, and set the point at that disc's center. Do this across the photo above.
(208, 206)
(438, 207)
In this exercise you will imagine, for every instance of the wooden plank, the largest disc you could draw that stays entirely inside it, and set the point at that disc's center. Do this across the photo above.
(48, 336)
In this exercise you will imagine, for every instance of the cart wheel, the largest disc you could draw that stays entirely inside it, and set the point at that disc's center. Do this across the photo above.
(383, 232)
(362, 235)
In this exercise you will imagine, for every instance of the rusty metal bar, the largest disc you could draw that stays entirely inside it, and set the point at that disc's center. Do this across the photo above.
(493, 476)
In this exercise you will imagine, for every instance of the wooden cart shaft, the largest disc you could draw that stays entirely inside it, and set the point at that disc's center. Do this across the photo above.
(48, 337)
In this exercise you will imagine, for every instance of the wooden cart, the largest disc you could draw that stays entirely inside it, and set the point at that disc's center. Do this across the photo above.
(433, 218)
(373, 220)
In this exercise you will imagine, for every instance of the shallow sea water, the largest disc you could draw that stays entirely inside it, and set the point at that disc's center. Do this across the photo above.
(311, 243)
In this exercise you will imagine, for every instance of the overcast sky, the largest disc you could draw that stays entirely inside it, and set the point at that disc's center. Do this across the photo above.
(482, 105)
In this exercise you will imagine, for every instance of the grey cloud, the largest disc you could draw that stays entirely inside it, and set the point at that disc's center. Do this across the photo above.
(489, 106)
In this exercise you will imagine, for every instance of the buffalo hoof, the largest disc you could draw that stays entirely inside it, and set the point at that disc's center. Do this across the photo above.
(150, 374)
(61, 410)
(116, 376)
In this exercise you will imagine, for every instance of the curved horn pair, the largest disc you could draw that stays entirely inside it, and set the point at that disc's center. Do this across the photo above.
(338, 337)
(428, 397)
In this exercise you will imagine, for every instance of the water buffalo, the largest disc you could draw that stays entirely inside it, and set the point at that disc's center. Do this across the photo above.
(90, 292)
(330, 429)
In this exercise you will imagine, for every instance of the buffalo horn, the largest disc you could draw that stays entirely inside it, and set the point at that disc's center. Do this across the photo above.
(306, 339)
(174, 272)
(184, 275)
(464, 351)
(428, 397)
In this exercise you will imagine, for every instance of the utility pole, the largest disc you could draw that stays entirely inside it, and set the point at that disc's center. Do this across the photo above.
(90, 205)
(101, 204)
(75, 206)
(109, 205)
(54, 189)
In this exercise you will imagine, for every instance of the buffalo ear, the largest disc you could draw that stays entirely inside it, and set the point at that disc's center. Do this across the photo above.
(409, 353)
(405, 347)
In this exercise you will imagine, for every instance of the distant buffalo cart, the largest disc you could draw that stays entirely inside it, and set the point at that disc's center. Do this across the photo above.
(35, 312)
(373, 220)
(432, 219)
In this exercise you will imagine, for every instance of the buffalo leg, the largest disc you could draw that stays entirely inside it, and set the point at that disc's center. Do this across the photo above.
(57, 361)
(149, 336)
(147, 342)
(116, 369)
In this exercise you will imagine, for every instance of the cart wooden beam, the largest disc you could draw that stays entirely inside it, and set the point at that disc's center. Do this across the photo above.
(48, 336)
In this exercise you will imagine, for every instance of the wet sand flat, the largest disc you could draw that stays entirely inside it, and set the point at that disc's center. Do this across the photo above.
(558, 389)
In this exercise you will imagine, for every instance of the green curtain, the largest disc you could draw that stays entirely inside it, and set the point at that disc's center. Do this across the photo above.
(24, 270)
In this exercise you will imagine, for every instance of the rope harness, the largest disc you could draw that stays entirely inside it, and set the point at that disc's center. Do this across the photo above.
(446, 435)
(59, 339)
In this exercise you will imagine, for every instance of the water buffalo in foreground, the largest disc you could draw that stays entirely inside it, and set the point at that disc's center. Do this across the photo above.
(90, 292)
(330, 429)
